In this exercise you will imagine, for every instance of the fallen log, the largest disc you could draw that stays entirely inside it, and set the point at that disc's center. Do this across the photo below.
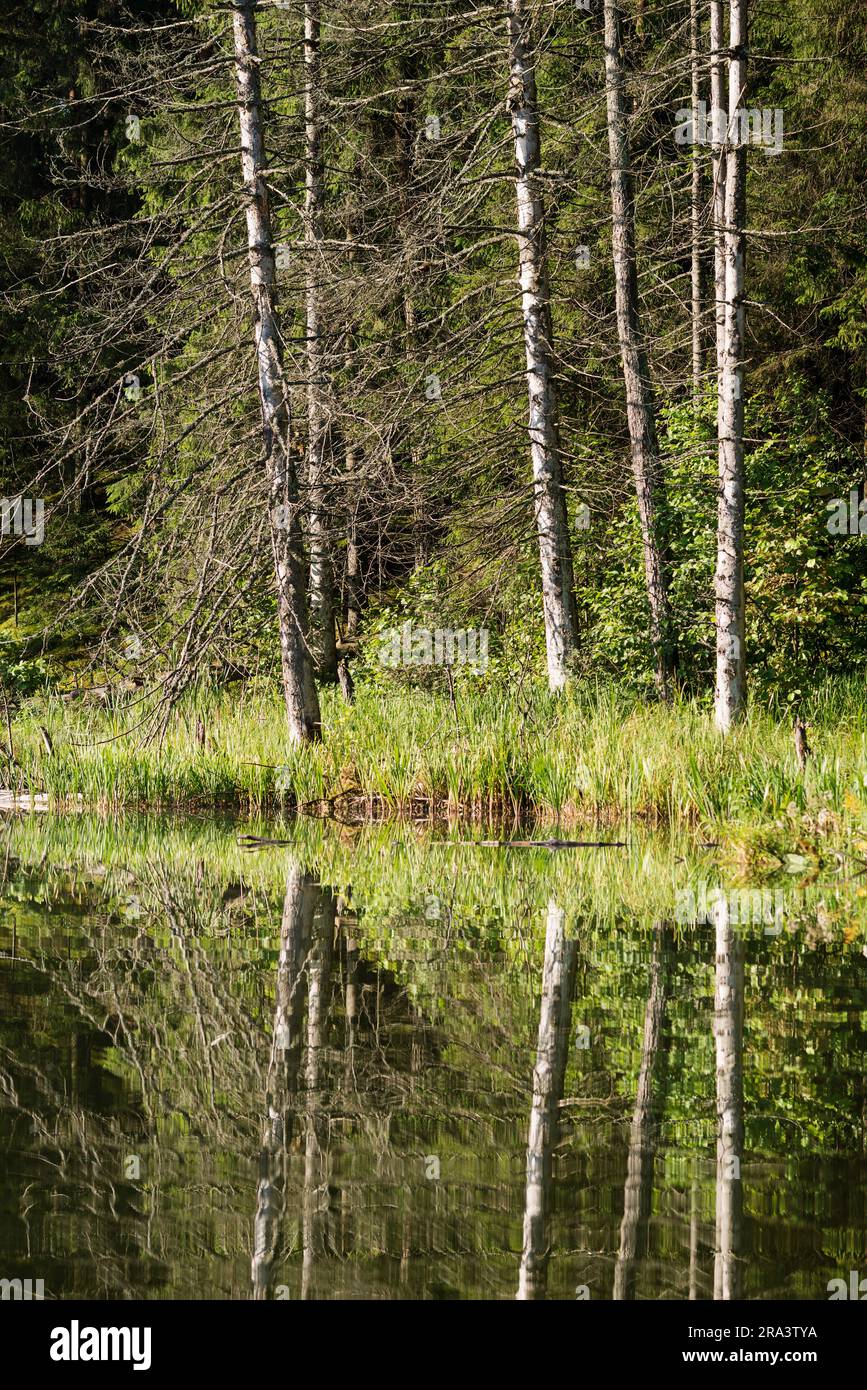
(539, 844)
(254, 841)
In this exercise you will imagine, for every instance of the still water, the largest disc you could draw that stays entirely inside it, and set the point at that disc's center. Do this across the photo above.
(376, 1063)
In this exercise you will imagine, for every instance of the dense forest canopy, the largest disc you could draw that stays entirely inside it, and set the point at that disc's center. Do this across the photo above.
(408, 299)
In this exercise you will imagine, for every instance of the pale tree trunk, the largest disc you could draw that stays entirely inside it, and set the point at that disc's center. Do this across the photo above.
(695, 202)
(285, 1062)
(549, 500)
(718, 168)
(323, 643)
(302, 704)
(351, 599)
(728, 1028)
(639, 1169)
(730, 695)
(558, 976)
(419, 519)
(639, 392)
(353, 557)
(407, 132)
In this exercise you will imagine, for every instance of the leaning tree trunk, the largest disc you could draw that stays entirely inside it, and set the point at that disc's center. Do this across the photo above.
(302, 704)
(558, 977)
(323, 643)
(730, 693)
(639, 392)
(552, 522)
(695, 203)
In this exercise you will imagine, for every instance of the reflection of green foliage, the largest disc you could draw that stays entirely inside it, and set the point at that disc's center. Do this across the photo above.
(451, 939)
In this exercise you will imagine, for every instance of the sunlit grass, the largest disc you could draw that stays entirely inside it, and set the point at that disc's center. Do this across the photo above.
(589, 754)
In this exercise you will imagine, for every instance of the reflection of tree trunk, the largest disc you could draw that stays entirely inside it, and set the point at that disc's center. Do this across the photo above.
(283, 1069)
(639, 1172)
(558, 977)
(315, 1145)
(693, 1242)
(729, 1039)
(352, 987)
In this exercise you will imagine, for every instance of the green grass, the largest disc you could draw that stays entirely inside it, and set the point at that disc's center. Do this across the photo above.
(592, 754)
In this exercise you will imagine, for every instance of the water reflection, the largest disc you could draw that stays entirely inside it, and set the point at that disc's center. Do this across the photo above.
(293, 970)
(642, 1136)
(288, 1078)
(728, 1028)
(558, 978)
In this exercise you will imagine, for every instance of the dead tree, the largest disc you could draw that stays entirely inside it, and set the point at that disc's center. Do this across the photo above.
(730, 695)
(555, 552)
(320, 434)
(302, 704)
(640, 412)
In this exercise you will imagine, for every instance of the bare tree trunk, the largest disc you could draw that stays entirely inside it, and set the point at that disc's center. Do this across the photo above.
(718, 166)
(639, 1172)
(558, 975)
(552, 522)
(729, 1043)
(323, 642)
(407, 132)
(420, 539)
(639, 392)
(302, 704)
(717, 163)
(353, 558)
(695, 201)
(730, 693)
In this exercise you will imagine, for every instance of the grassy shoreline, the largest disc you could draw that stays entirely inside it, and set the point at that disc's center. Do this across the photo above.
(588, 756)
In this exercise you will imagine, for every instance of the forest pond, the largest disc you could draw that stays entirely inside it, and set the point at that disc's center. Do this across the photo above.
(382, 1063)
